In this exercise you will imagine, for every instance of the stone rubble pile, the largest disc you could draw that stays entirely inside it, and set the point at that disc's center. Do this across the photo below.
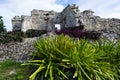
(19, 51)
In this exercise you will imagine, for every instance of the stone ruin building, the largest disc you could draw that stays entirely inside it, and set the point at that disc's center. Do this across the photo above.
(69, 17)
(46, 20)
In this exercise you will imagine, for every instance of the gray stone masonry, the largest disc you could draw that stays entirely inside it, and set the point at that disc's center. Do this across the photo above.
(69, 17)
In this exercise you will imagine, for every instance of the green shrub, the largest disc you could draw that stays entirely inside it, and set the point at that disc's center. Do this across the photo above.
(17, 36)
(79, 33)
(63, 58)
(35, 33)
(2, 27)
(14, 36)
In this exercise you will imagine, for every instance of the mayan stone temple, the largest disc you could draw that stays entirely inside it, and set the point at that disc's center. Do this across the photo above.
(69, 17)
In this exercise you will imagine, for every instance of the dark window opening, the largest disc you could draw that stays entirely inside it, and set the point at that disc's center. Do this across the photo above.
(81, 26)
(46, 19)
(47, 14)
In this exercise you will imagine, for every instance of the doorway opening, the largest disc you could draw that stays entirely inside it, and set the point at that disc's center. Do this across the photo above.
(57, 26)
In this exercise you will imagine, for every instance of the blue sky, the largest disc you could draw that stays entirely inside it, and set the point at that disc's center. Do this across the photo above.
(11, 8)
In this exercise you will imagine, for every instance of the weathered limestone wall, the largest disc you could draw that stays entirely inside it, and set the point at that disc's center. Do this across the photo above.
(42, 20)
(19, 51)
(88, 19)
(109, 28)
(17, 23)
(39, 19)
(96, 23)
(26, 23)
(70, 16)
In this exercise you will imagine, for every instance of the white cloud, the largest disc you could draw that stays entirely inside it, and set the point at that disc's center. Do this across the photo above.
(103, 8)
(11, 8)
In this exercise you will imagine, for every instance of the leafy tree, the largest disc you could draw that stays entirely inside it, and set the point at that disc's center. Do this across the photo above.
(2, 29)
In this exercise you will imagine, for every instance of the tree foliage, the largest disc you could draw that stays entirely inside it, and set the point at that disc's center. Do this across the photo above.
(2, 29)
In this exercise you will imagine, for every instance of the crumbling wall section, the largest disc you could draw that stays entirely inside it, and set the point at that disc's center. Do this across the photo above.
(17, 23)
(96, 23)
(42, 20)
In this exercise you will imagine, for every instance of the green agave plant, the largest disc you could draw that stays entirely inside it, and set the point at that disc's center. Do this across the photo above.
(109, 52)
(50, 53)
(115, 60)
(85, 61)
(63, 58)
